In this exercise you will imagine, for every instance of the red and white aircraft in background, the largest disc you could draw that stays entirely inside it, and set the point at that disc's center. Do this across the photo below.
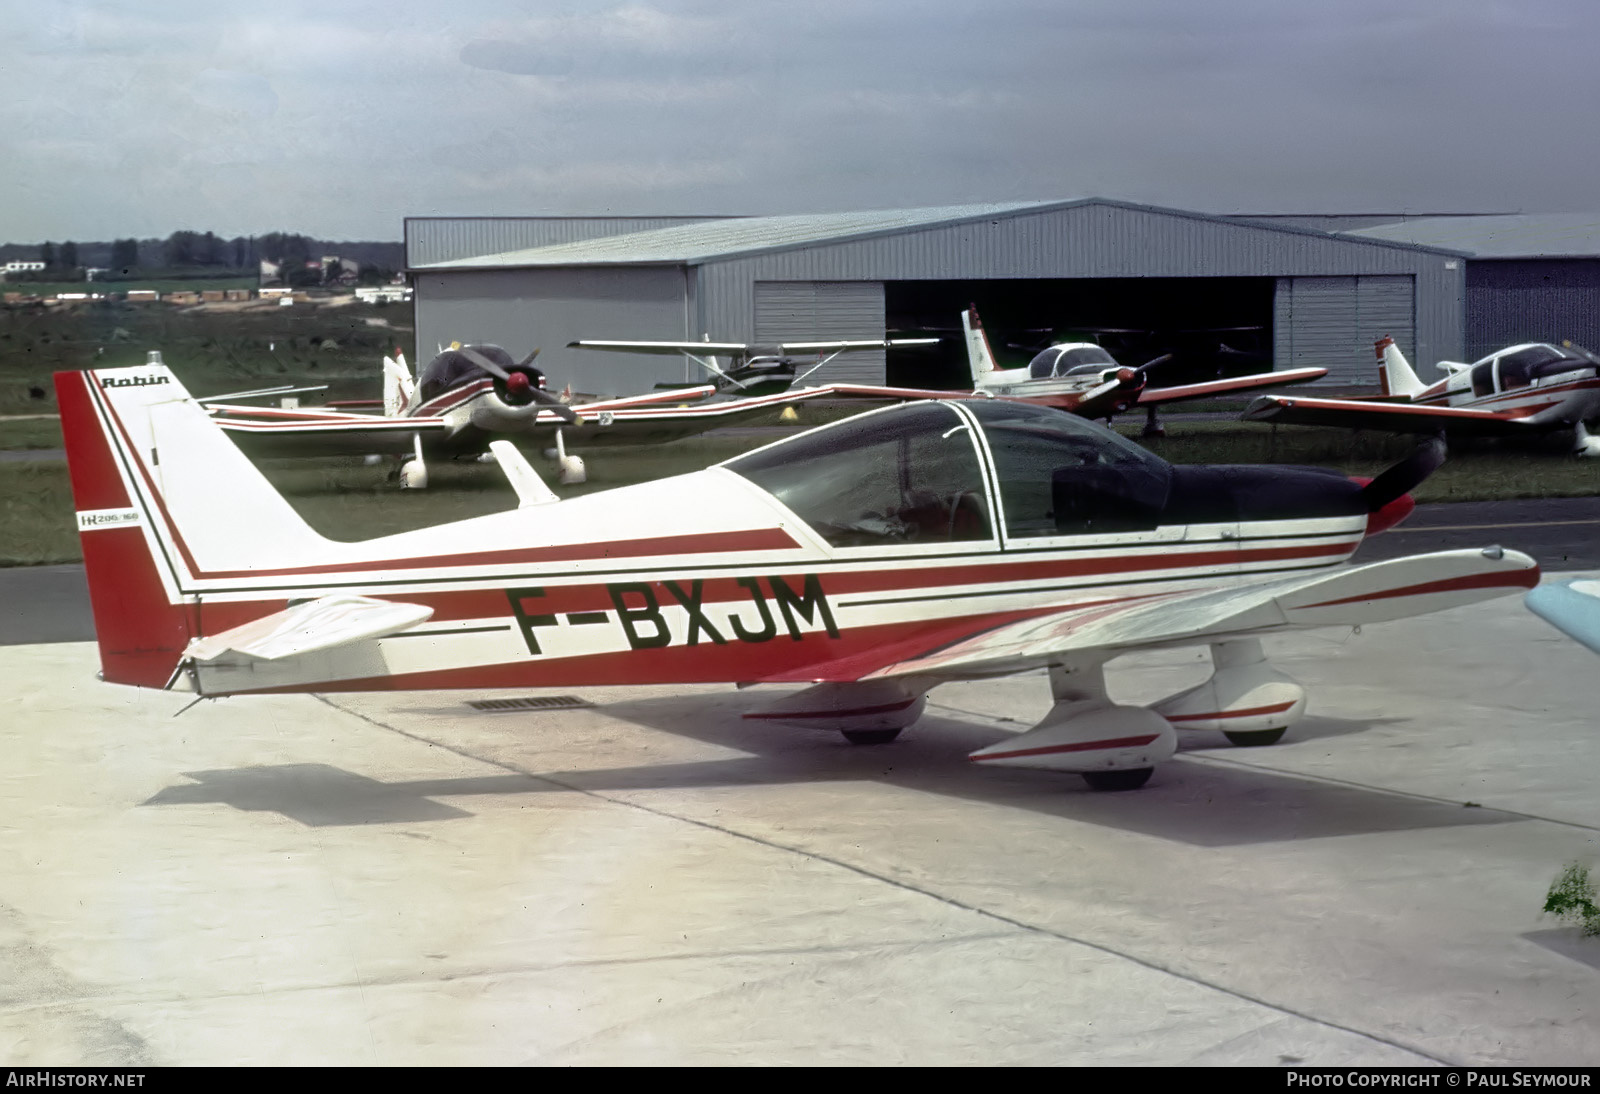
(871, 559)
(1083, 378)
(1078, 377)
(468, 396)
(1529, 388)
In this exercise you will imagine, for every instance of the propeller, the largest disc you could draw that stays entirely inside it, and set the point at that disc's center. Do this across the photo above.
(519, 390)
(1403, 477)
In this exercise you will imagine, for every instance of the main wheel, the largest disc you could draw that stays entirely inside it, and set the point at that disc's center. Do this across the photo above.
(1118, 780)
(870, 736)
(1256, 738)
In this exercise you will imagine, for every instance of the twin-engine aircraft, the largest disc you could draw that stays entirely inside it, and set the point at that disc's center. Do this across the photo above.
(1524, 389)
(870, 560)
(468, 396)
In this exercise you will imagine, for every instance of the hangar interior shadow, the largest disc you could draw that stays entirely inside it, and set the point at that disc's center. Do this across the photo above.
(1197, 804)
(1213, 326)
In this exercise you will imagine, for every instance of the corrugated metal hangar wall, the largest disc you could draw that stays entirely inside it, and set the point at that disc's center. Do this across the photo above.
(1322, 299)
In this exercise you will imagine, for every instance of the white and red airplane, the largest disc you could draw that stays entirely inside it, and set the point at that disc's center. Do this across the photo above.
(468, 396)
(1083, 378)
(1529, 388)
(1078, 377)
(871, 559)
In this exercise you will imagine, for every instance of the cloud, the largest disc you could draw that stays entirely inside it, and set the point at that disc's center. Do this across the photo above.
(346, 118)
(235, 92)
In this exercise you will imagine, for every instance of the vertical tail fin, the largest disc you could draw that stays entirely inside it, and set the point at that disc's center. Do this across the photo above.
(398, 387)
(1395, 376)
(979, 358)
(164, 501)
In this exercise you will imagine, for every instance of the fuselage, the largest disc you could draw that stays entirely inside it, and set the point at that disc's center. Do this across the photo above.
(899, 529)
(1535, 383)
(1064, 376)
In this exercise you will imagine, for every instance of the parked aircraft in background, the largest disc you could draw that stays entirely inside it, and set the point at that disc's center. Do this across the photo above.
(468, 396)
(1572, 607)
(1079, 377)
(755, 368)
(1085, 379)
(870, 560)
(1530, 388)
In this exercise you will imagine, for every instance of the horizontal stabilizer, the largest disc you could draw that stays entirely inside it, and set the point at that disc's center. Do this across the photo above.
(315, 625)
(530, 488)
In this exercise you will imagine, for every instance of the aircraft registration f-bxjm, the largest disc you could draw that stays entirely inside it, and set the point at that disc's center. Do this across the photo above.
(1529, 388)
(872, 559)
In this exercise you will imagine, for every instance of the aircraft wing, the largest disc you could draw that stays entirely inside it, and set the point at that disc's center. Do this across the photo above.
(750, 349)
(1572, 607)
(1209, 388)
(1396, 416)
(666, 416)
(271, 433)
(870, 391)
(1348, 596)
(719, 349)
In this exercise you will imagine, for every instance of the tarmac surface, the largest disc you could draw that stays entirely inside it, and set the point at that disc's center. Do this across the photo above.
(650, 879)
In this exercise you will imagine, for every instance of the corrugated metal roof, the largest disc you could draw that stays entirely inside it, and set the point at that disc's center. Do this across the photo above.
(716, 239)
(1519, 235)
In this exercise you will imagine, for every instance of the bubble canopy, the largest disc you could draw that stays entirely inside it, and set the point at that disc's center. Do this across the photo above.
(952, 472)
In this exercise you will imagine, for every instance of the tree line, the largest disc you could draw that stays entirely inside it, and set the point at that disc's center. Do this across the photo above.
(205, 254)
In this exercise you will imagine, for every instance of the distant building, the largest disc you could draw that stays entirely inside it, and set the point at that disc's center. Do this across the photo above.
(384, 294)
(213, 296)
(142, 296)
(92, 272)
(23, 267)
(274, 293)
(183, 298)
(238, 294)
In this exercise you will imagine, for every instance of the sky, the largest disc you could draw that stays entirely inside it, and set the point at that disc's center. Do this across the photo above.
(339, 119)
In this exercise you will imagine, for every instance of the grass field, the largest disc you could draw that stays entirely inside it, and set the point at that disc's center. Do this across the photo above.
(339, 343)
(159, 284)
(347, 500)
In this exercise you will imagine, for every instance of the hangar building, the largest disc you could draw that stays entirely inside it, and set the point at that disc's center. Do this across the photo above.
(1531, 277)
(1245, 289)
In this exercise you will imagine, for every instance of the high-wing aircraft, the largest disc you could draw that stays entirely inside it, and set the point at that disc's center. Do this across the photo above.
(870, 559)
(1571, 606)
(1085, 379)
(755, 368)
(469, 395)
(1529, 388)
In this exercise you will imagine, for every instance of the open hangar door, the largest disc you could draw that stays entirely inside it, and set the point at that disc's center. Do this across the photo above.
(1212, 326)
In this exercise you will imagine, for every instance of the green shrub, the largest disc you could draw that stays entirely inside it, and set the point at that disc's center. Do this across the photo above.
(1572, 898)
